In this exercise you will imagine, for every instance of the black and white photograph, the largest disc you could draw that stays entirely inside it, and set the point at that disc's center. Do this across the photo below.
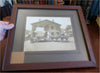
(49, 34)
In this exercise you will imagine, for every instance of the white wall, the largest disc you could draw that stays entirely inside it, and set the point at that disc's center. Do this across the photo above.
(2, 2)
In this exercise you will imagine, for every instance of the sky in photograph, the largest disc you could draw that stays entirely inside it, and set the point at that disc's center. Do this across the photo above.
(63, 21)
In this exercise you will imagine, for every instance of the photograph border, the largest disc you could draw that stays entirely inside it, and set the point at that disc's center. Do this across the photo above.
(54, 65)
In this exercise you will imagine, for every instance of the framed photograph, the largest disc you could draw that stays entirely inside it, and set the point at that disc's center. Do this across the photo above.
(48, 37)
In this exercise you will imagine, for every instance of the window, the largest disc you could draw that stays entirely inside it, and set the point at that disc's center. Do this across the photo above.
(57, 33)
(52, 33)
(52, 27)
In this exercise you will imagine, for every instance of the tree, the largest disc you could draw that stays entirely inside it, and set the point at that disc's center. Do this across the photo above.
(27, 35)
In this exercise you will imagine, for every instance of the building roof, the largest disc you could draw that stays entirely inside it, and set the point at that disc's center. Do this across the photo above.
(45, 22)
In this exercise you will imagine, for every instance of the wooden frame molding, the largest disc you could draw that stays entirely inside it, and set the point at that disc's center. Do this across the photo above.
(54, 65)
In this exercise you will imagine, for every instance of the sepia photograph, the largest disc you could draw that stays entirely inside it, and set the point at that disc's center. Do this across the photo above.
(49, 34)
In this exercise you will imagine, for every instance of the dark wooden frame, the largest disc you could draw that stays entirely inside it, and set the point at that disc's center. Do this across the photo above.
(38, 66)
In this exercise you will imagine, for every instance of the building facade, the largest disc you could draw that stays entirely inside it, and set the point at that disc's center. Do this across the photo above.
(45, 30)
